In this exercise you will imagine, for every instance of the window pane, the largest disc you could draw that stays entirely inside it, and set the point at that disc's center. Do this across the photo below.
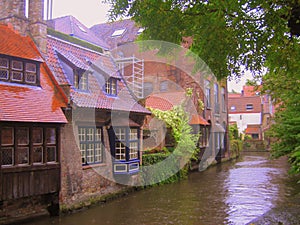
(17, 76)
(37, 154)
(113, 86)
(22, 155)
(133, 135)
(90, 134)
(90, 153)
(120, 133)
(51, 154)
(81, 134)
(37, 135)
(30, 78)
(17, 65)
(22, 136)
(7, 136)
(133, 152)
(31, 67)
(83, 153)
(4, 74)
(120, 151)
(83, 82)
(3, 63)
(50, 136)
(98, 152)
(7, 156)
(98, 135)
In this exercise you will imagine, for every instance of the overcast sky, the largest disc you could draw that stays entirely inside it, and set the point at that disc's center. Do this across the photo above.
(91, 12)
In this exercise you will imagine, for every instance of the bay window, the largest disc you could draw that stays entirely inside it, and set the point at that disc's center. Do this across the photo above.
(125, 145)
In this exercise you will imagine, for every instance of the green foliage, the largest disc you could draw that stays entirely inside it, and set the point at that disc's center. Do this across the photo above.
(236, 147)
(178, 120)
(74, 40)
(152, 176)
(226, 34)
(233, 132)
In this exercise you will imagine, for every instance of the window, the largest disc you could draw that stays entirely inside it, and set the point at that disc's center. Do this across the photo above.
(80, 80)
(163, 86)
(204, 137)
(223, 94)
(91, 145)
(249, 107)
(118, 32)
(111, 86)
(18, 71)
(232, 108)
(216, 98)
(126, 143)
(24, 145)
(148, 88)
(207, 94)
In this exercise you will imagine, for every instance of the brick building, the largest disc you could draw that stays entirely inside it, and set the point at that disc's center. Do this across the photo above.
(164, 76)
(31, 120)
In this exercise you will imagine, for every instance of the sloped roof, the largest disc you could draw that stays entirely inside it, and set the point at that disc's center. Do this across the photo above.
(25, 103)
(94, 97)
(79, 56)
(165, 100)
(197, 119)
(106, 30)
(12, 44)
(238, 105)
(73, 27)
(252, 129)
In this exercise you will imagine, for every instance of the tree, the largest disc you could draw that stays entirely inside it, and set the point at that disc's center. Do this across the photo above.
(226, 34)
(233, 37)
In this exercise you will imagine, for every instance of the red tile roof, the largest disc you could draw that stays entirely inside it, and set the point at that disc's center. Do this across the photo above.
(238, 105)
(25, 103)
(252, 129)
(11, 44)
(73, 27)
(197, 119)
(165, 100)
(95, 97)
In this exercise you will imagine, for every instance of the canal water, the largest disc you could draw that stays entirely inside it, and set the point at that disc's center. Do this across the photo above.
(229, 193)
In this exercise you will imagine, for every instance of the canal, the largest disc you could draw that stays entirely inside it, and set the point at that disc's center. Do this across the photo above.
(229, 193)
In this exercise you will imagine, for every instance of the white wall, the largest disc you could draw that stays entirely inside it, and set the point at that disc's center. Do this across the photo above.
(242, 119)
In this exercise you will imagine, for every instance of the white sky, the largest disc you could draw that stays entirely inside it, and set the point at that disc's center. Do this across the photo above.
(91, 12)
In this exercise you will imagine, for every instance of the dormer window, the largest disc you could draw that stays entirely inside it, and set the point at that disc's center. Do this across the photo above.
(111, 86)
(80, 80)
(18, 71)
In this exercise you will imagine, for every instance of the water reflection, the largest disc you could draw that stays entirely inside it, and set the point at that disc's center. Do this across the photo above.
(231, 193)
(251, 190)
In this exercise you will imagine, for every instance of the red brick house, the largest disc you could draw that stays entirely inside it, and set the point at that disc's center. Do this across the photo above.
(31, 120)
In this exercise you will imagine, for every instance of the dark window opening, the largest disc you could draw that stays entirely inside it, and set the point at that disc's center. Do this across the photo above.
(28, 145)
(19, 71)
(111, 86)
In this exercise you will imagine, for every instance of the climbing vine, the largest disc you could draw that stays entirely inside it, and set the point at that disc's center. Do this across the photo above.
(178, 120)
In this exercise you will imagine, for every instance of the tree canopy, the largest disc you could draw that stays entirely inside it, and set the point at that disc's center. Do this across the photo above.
(233, 36)
(230, 36)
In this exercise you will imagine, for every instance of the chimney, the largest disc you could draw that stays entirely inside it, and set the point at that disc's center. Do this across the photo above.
(13, 12)
(37, 25)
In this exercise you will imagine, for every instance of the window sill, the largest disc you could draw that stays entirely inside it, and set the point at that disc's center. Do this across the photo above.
(86, 167)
